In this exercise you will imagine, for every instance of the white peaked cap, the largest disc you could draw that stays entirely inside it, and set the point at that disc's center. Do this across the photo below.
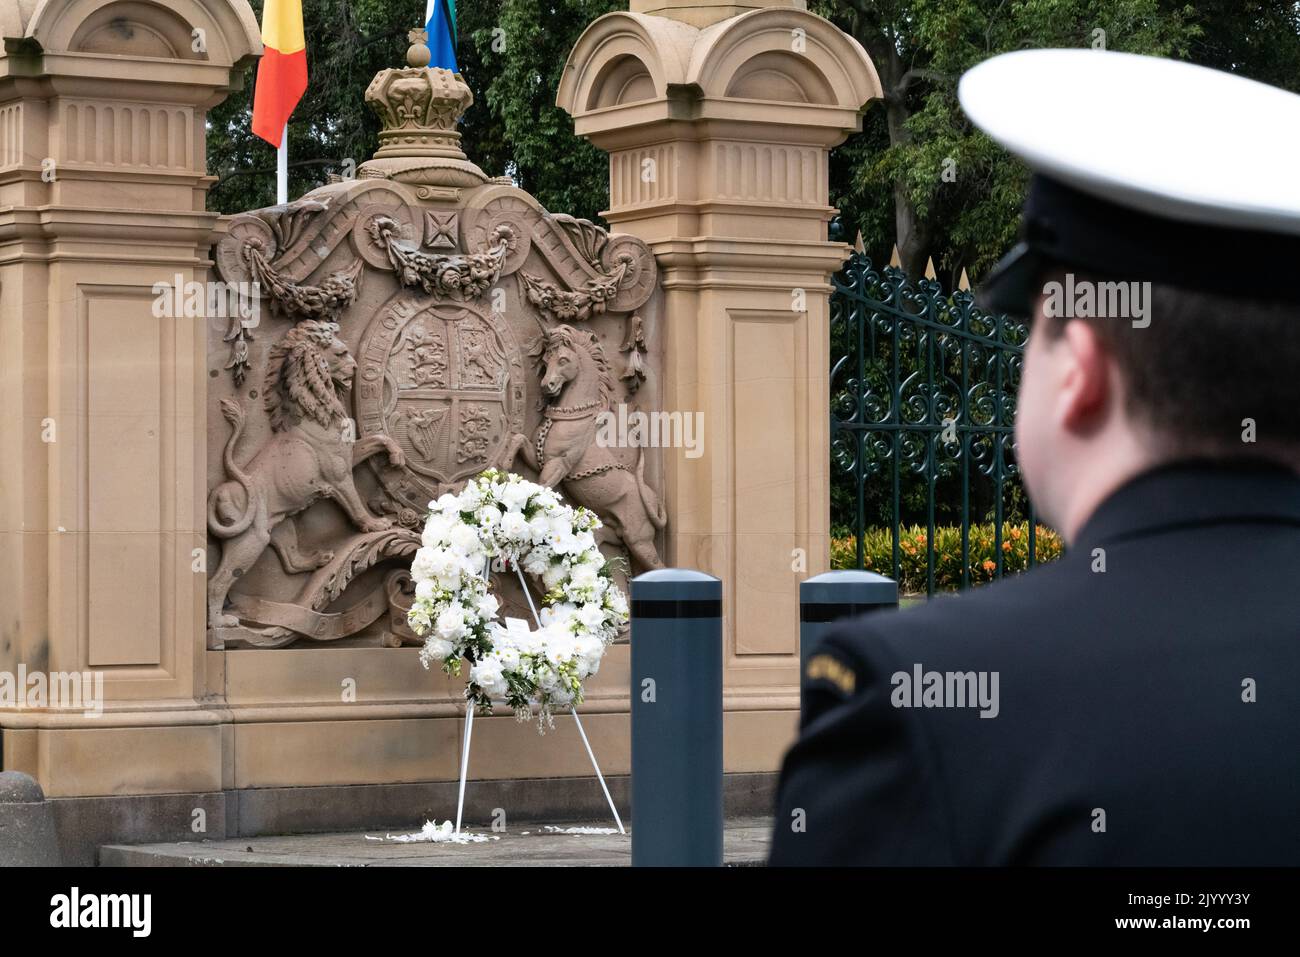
(1143, 167)
(1162, 136)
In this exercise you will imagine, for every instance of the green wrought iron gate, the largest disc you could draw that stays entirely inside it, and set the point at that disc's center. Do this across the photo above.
(923, 393)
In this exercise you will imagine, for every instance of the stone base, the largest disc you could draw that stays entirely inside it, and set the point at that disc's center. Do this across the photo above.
(745, 843)
(86, 824)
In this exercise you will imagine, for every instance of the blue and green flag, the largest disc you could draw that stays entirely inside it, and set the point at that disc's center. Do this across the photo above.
(440, 22)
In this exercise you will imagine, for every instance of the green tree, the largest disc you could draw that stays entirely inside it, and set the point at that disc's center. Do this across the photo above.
(921, 176)
(511, 53)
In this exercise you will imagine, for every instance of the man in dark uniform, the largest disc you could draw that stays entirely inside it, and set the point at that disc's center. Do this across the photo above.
(1138, 701)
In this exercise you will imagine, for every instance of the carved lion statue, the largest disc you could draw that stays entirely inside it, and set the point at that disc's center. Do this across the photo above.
(310, 456)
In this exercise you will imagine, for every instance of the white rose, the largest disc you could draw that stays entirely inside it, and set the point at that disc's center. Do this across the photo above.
(451, 622)
(425, 590)
(437, 648)
(488, 675)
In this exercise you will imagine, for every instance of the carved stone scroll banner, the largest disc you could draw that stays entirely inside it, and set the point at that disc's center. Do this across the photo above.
(415, 321)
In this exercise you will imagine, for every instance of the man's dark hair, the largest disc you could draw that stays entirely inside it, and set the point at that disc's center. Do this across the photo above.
(1203, 365)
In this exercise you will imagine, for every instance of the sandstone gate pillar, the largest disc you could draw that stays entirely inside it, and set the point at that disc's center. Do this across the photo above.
(103, 178)
(718, 118)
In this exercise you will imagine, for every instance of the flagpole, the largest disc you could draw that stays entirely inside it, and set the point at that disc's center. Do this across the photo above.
(282, 169)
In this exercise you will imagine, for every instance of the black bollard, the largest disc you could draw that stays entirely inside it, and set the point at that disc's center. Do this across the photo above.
(828, 598)
(676, 719)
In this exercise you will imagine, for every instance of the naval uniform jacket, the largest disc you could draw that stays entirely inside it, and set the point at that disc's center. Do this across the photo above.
(1146, 714)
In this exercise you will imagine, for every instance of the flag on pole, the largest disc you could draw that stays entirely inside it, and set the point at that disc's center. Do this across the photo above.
(282, 73)
(440, 22)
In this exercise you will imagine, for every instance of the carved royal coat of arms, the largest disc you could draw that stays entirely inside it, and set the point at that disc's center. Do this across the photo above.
(425, 322)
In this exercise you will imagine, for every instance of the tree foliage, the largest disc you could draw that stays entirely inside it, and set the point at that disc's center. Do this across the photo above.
(888, 181)
(511, 54)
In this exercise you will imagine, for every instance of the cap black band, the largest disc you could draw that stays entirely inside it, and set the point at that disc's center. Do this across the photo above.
(1071, 229)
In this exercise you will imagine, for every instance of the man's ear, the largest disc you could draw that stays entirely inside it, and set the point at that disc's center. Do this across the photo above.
(1087, 389)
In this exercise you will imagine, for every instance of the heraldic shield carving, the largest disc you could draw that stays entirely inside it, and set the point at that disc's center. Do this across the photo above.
(416, 325)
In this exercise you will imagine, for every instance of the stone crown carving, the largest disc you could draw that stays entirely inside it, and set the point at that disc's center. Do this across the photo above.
(419, 108)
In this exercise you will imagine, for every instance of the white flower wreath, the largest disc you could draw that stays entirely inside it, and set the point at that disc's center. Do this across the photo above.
(505, 519)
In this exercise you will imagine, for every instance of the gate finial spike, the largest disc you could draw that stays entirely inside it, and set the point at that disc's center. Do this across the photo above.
(858, 245)
(929, 268)
(894, 259)
(964, 283)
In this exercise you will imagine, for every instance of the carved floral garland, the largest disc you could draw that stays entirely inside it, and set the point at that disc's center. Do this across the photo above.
(467, 277)
(578, 305)
(502, 517)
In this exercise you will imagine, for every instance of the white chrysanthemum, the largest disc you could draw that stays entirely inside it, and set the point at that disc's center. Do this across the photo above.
(464, 539)
(436, 531)
(422, 564)
(487, 605)
(471, 498)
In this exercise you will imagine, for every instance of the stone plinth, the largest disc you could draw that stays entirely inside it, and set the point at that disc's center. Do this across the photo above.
(718, 128)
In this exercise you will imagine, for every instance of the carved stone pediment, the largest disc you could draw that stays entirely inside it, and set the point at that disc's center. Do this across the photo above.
(409, 317)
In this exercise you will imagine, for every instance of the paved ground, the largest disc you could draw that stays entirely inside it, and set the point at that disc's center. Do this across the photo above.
(745, 842)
